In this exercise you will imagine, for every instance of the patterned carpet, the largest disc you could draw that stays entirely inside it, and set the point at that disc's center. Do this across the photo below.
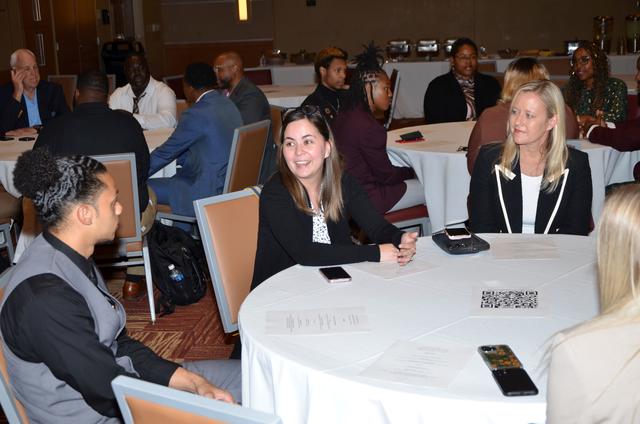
(192, 332)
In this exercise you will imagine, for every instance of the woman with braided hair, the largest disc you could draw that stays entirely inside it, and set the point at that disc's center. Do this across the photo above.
(591, 92)
(362, 140)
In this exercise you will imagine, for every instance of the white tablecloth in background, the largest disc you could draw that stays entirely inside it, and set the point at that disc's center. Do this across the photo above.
(314, 379)
(443, 170)
(287, 95)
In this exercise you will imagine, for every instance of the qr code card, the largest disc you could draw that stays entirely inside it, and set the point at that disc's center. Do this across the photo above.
(507, 302)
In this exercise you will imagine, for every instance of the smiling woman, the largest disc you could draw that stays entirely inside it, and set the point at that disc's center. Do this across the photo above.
(532, 183)
(305, 207)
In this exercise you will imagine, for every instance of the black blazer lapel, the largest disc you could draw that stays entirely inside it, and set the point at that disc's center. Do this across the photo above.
(546, 204)
(512, 193)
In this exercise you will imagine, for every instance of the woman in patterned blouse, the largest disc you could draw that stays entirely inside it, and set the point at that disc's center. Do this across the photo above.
(591, 92)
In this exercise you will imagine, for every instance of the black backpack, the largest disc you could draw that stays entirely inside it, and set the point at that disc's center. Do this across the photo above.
(170, 245)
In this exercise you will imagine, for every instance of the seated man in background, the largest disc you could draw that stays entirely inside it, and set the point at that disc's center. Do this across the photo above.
(249, 99)
(64, 334)
(201, 144)
(331, 70)
(152, 102)
(94, 129)
(27, 102)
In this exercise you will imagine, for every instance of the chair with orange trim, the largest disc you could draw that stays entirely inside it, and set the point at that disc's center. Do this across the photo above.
(229, 229)
(245, 159)
(142, 402)
(69, 84)
(129, 242)
(12, 408)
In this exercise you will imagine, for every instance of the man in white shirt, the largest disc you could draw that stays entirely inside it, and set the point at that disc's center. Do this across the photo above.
(152, 102)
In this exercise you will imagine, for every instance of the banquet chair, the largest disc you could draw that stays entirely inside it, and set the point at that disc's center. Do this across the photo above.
(557, 66)
(259, 76)
(68, 83)
(245, 158)
(12, 408)
(633, 111)
(181, 106)
(175, 83)
(229, 229)
(409, 218)
(142, 402)
(10, 210)
(276, 122)
(395, 83)
(129, 247)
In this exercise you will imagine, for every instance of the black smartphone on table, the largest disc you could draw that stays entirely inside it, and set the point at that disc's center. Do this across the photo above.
(507, 371)
(335, 274)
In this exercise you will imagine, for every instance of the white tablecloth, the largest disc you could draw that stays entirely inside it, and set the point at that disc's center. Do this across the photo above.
(287, 95)
(443, 170)
(315, 379)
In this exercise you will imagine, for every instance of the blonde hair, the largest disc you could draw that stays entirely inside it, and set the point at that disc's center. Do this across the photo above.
(331, 188)
(519, 72)
(619, 249)
(555, 149)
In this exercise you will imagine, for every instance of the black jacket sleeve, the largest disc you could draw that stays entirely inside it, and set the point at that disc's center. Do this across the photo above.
(357, 201)
(578, 205)
(483, 216)
(10, 109)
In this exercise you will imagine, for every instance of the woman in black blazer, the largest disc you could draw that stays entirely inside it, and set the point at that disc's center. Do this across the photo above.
(463, 93)
(532, 182)
(305, 207)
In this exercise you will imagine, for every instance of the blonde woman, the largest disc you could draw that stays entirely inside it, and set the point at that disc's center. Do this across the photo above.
(492, 124)
(532, 183)
(305, 207)
(595, 367)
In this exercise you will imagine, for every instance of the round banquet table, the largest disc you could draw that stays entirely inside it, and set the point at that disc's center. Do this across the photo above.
(316, 378)
(442, 169)
(286, 96)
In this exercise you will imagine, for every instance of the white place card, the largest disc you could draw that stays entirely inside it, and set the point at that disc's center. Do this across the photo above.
(391, 270)
(525, 248)
(419, 365)
(317, 321)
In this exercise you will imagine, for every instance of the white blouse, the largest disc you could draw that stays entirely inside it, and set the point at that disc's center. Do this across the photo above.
(530, 193)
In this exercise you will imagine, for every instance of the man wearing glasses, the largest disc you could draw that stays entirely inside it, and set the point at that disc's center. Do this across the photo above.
(28, 103)
(463, 93)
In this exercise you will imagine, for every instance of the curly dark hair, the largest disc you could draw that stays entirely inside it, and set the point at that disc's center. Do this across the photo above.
(368, 68)
(54, 183)
(574, 87)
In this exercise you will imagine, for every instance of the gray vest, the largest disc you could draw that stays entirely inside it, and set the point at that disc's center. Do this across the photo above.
(46, 398)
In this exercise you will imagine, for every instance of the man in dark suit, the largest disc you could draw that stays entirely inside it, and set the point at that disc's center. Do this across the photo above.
(249, 99)
(201, 144)
(27, 103)
(94, 129)
(331, 70)
(463, 93)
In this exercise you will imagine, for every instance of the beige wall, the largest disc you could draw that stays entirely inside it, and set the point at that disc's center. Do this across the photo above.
(187, 22)
(494, 24)
(11, 35)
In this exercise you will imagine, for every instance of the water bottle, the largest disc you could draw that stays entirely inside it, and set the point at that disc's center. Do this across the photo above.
(175, 275)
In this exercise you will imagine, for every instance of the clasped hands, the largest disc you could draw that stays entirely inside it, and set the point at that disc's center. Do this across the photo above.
(403, 254)
(587, 121)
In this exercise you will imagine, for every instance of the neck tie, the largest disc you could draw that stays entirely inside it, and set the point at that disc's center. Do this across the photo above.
(135, 103)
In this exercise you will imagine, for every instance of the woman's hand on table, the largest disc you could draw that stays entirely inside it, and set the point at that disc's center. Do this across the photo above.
(407, 248)
(388, 252)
